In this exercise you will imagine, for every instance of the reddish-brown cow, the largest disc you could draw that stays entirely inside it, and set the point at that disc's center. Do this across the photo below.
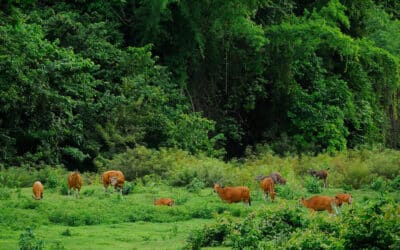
(233, 194)
(164, 202)
(267, 185)
(37, 190)
(320, 203)
(114, 178)
(75, 183)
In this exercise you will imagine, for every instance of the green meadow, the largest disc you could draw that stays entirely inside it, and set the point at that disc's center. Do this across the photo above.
(99, 220)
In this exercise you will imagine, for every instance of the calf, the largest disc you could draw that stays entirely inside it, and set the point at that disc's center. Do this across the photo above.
(75, 183)
(233, 194)
(320, 203)
(267, 185)
(113, 178)
(37, 190)
(164, 202)
(320, 174)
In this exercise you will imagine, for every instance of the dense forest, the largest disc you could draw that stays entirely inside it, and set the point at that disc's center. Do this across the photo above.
(87, 79)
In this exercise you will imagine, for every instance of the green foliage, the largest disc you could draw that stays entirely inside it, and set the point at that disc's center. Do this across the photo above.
(195, 185)
(313, 185)
(373, 228)
(5, 193)
(28, 241)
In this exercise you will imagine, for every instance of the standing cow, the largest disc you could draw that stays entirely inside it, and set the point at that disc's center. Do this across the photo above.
(267, 185)
(321, 203)
(114, 178)
(74, 182)
(37, 190)
(320, 174)
(233, 194)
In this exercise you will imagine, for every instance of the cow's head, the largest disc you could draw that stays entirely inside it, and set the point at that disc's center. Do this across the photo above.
(113, 180)
(217, 186)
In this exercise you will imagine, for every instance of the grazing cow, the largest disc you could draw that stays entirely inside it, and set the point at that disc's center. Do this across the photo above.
(320, 203)
(343, 198)
(267, 185)
(37, 190)
(276, 177)
(75, 183)
(113, 178)
(164, 202)
(233, 194)
(320, 174)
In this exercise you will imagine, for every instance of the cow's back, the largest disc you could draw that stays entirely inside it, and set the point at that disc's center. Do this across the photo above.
(75, 180)
(319, 203)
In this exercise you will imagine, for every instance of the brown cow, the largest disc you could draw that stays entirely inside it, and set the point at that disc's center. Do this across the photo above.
(164, 202)
(37, 190)
(343, 198)
(320, 174)
(74, 182)
(114, 178)
(320, 203)
(267, 185)
(233, 194)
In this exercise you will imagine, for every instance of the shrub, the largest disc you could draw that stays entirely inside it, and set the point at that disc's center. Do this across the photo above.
(376, 226)
(395, 183)
(313, 185)
(210, 235)
(67, 232)
(27, 241)
(195, 185)
(64, 188)
(379, 184)
(128, 188)
(310, 239)
(5, 193)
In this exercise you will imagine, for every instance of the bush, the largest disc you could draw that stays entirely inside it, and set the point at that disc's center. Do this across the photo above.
(379, 185)
(210, 235)
(313, 185)
(395, 183)
(195, 185)
(5, 193)
(376, 226)
(27, 241)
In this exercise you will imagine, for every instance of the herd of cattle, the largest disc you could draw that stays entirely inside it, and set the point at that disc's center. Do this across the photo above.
(229, 194)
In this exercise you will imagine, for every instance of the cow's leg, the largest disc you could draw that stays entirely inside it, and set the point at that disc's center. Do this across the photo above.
(265, 196)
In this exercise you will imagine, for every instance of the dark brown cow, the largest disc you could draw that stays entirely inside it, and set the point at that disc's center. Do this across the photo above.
(276, 177)
(233, 194)
(320, 174)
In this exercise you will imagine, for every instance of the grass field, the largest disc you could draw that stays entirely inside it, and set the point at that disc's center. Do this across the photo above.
(99, 220)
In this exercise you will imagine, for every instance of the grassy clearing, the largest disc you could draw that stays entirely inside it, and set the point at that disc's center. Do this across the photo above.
(104, 221)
